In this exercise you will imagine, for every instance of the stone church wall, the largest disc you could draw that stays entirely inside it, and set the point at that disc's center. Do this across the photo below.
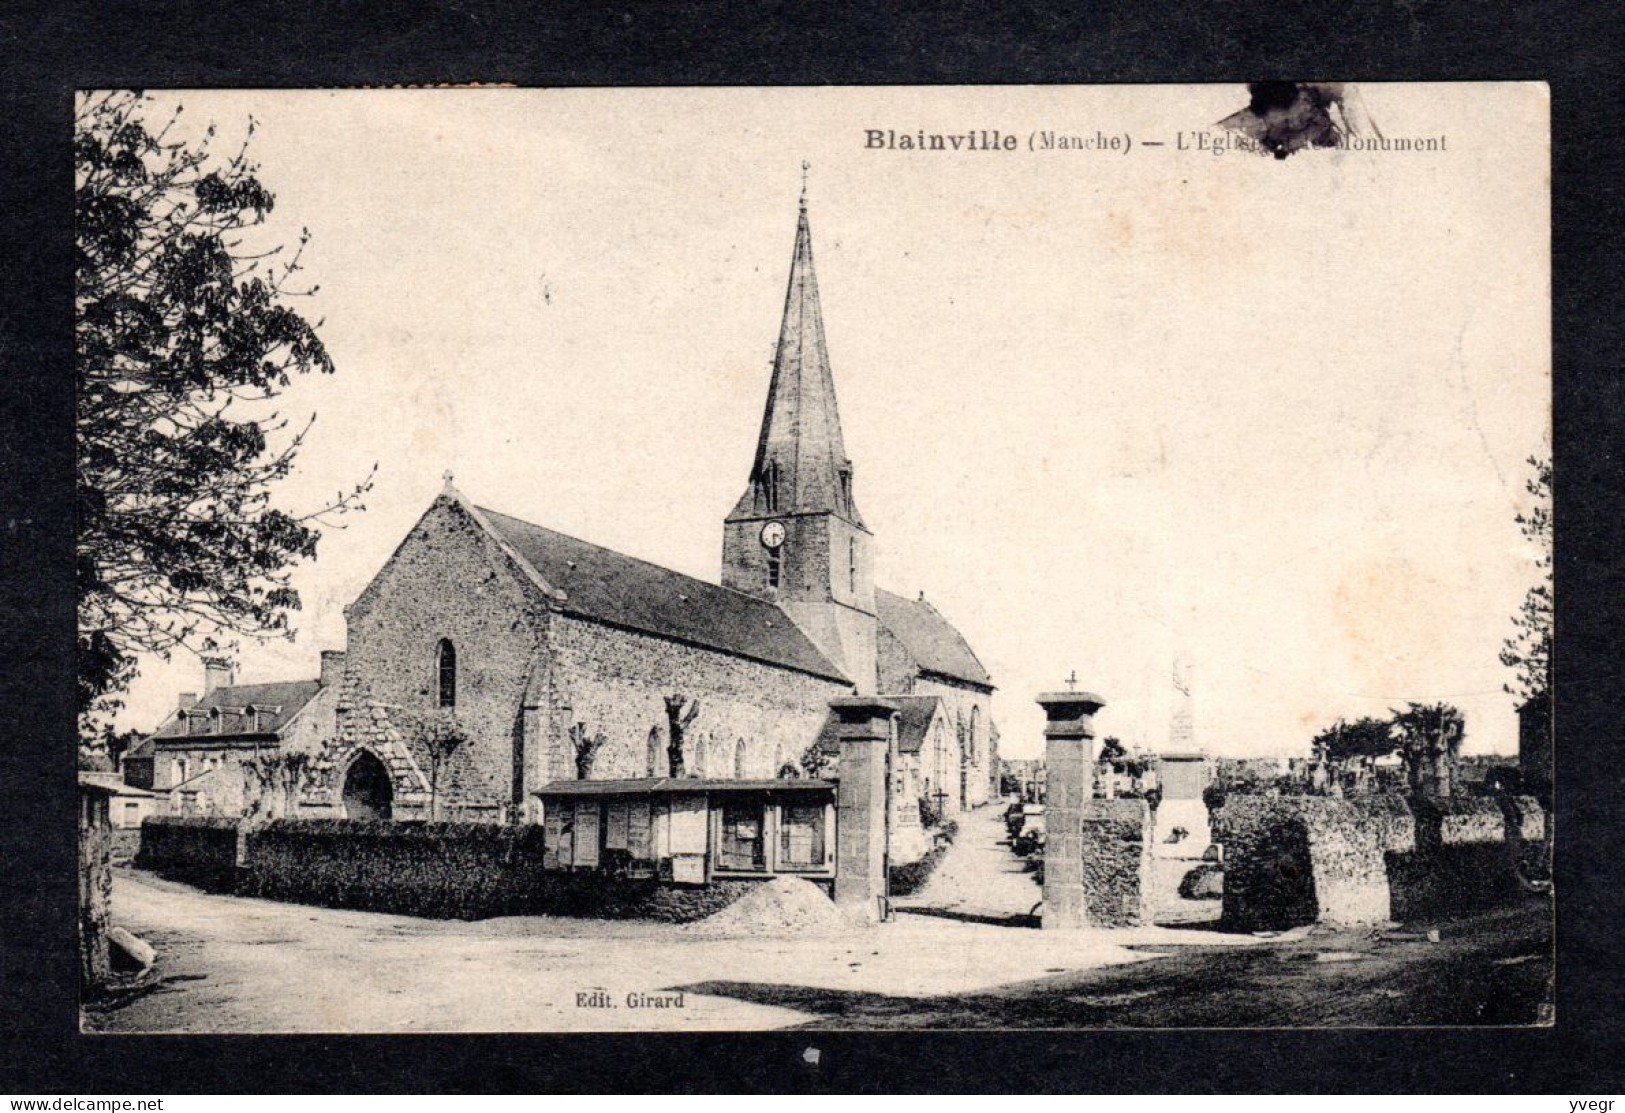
(959, 704)
(613, 681)
(450, 579)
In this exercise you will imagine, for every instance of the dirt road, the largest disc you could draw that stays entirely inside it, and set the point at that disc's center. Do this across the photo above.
(230, 964)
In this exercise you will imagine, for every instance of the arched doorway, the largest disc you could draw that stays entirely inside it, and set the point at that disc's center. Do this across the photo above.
(368, 793)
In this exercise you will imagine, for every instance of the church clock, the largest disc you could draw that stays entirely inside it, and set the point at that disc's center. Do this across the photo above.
(773, 535)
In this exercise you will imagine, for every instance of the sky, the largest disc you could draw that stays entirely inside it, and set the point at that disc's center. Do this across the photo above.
(1106, 408)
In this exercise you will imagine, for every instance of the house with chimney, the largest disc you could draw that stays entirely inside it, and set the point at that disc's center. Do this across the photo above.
(194, 761)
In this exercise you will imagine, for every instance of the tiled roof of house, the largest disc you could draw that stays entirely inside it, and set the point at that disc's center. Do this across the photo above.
(287, 697)
(930, 639)
(607, 586)
(914, 714)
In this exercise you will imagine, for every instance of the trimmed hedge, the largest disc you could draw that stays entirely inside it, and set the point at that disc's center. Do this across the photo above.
(201, 850)
(906, 880)
(910, 879)
(453, 871)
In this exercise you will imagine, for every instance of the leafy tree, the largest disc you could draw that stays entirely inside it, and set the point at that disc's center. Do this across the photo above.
(1343, 742)
(183, 337)
(1112, 751)
(815, 762)
(1528, 650)
(1430, 742)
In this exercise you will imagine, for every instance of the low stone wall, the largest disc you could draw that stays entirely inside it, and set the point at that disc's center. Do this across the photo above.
(1294, 860)
(1116, 862)
(1463, 860)
(201, 850)
(1529, 831)
(453, 871)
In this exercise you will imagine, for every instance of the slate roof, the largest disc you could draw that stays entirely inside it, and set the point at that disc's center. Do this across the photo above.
(287, 695)
(914, 714)
(930, 639)
(801, 425)
(610, 587)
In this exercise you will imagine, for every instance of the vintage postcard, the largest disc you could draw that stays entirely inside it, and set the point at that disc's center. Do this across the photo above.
(721, 559)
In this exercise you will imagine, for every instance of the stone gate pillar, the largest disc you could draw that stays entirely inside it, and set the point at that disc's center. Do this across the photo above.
(860, 803)
(1069, 737)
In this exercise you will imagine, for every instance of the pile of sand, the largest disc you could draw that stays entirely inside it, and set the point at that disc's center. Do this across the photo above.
(782, 906)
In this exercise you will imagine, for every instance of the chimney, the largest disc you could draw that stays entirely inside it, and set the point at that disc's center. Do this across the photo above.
(217, 674)
(188, 700)
(332, 667)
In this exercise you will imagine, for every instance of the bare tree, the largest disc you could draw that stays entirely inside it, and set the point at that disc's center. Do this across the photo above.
(585, 749)
(284, 773)
(678, 721)
(441, 736)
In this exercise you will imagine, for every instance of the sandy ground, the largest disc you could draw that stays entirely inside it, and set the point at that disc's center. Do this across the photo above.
(230, 964)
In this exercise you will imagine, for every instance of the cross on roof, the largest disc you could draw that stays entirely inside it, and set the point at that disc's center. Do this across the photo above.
(1072, 681)
(805, 166)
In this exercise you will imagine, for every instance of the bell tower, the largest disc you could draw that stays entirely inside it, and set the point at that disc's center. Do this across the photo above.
(795, 537)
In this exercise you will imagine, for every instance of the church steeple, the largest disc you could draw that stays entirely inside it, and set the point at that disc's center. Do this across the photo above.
(801, 464)
(795, 536)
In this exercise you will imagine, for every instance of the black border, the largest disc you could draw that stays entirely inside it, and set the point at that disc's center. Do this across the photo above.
(46, 51)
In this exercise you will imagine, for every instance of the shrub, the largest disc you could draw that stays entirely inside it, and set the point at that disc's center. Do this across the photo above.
(201, 850)
(454, 871)
(907, 880)
(930, 812)
(1205, 882)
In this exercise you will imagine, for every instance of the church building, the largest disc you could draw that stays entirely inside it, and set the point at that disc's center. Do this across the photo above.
(491, 656)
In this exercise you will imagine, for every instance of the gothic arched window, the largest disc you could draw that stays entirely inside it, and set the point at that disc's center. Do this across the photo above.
(739, 760)
(446, 674)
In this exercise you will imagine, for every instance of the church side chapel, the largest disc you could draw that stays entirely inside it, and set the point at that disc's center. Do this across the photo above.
(493, 663)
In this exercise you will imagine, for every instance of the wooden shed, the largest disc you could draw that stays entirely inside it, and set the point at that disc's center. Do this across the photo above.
(691, 830)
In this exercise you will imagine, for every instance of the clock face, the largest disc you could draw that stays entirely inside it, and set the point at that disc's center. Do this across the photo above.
(773, 535)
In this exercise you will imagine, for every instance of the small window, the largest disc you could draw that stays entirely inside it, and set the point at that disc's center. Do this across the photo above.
(846, 489)
(446, 667)
(770, 487)
(775, 569)
(801, 836)
(852, 564)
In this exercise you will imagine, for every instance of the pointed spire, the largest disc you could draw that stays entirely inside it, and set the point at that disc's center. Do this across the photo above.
(801, 463)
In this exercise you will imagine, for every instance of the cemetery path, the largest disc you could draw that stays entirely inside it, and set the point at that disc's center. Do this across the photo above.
(978, 879)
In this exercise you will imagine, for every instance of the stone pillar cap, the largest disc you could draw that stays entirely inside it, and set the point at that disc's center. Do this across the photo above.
(1087, 700)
